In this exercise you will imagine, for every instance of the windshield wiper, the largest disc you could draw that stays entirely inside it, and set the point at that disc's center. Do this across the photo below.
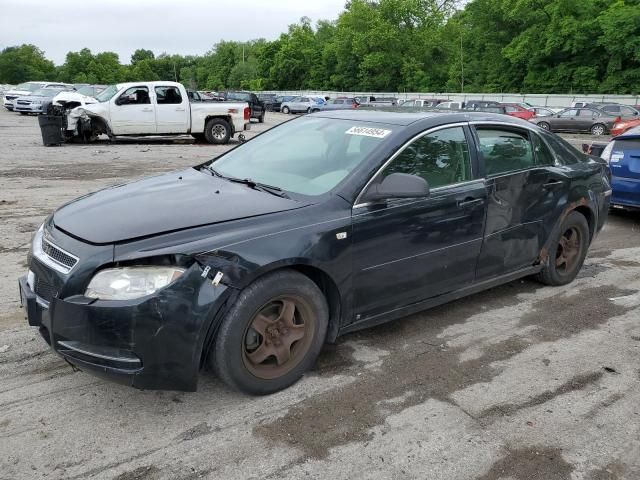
(273, 190)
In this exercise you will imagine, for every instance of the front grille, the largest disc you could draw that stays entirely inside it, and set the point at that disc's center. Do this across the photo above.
(23, 102)
(57, 255)
(45, 290)
(10, 97)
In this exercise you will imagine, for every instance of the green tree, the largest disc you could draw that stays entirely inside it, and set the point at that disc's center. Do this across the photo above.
(140, 55)
(24, 63)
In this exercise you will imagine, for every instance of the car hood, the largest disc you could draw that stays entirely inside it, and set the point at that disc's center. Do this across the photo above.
(166, 203)
(17, 92)
(74, 97)
(31, 98)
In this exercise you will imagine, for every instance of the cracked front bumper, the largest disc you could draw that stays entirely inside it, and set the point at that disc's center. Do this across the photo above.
(155, 342)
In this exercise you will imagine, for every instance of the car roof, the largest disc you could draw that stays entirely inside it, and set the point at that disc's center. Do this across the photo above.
(153, 84)
(408, 118)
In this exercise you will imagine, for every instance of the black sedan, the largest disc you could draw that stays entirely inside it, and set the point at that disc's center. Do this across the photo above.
(251, 262)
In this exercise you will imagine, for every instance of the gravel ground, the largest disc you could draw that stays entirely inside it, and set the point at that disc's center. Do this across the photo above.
(519, 382)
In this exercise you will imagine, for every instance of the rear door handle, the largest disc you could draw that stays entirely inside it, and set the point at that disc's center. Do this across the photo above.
(180, 109)
(553, 183)
(469, 202)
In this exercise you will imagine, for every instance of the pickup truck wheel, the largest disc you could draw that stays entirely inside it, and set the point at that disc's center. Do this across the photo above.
(217, 131)
(286, 110)
(261, 118)
(272, 334)
(567, 252)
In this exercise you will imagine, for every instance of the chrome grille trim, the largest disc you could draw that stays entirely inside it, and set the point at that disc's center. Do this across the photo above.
(51, 255)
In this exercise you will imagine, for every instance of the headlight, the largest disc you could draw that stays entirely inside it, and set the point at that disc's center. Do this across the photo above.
(129, 283)
(36, 102)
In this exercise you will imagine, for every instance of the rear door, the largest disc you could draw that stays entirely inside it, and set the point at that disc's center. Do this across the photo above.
(565, 120)
(172, 110)
(133, 113)
(524, 187)
(408, 250)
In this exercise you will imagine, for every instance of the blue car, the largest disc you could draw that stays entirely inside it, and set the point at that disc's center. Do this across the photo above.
(623, 156)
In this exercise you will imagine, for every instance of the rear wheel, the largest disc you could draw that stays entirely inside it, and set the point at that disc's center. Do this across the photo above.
(286, 110)
(217, 131)
(544, 126)
(309, 110)
(598, 129)
(272, 334)
(567, 252)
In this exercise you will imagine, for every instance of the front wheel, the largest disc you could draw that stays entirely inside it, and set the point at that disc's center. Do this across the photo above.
(261, 118)
(567, 252)
(286, 110)
(217, 131)
(544, 126)
(598, 129)
(272, 334)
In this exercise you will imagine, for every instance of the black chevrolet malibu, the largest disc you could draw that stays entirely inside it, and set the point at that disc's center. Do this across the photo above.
(323, 225)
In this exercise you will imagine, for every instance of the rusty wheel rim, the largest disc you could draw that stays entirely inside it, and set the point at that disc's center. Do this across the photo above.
(278, 337)
(568, 251)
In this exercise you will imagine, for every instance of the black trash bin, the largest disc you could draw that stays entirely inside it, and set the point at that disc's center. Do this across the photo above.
(51, 128)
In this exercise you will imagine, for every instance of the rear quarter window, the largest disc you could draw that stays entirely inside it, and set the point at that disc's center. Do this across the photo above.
(565, 153)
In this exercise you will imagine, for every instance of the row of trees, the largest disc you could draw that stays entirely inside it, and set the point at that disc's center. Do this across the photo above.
(535, 46)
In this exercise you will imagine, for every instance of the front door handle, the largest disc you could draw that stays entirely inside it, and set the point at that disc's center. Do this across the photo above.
(470, 202)
(147, 109)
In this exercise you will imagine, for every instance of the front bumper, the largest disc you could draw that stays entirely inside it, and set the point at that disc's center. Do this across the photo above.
(155, 342)
(31, 108)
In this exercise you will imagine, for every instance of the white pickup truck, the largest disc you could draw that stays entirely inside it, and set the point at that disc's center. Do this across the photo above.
(156, 108)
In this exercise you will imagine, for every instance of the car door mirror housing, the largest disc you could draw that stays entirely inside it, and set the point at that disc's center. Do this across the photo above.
(399, 185)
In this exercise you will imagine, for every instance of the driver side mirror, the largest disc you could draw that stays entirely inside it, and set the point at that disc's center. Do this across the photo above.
(399, 185)
(126, 99)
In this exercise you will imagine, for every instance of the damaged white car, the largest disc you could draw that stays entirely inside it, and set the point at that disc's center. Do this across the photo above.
(156, 108)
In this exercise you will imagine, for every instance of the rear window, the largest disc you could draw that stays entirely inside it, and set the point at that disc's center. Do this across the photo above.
(565, 153)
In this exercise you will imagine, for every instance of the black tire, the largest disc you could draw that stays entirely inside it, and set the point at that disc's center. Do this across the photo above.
(559, 272)
(231, 351)
(286, 110)
(217, 131)
(544, 126)
(23, 113)
(598, 129)
(315, 110)
(309, 110)
(261, 117)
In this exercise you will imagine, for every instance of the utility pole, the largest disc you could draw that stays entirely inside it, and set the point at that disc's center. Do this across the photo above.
(243, 54)
(461, 65)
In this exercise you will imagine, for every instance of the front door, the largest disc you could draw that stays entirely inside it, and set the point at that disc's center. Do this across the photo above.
(408, 250)
(132, 113)
(172, 110)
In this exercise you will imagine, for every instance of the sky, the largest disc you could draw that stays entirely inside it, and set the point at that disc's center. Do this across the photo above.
(187, 27)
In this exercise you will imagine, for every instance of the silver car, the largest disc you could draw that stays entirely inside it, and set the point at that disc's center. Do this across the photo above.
(301, 104)
(38, 102)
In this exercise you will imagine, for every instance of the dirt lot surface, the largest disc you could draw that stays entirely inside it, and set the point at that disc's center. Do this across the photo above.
(520, 382)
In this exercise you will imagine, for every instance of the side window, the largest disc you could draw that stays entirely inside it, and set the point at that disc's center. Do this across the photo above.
(505, 150)
(611, 109)
(168, 95)
(134, 96)
(542, 152)
(569, 113)
(441, 158)
(510, 109)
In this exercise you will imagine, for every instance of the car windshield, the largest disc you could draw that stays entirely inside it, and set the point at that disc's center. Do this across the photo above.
(31, 87)
(46, 92)
(281, 156)
(107, 94)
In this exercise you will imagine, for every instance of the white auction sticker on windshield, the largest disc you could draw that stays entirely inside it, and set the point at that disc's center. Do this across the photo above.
(368, 132)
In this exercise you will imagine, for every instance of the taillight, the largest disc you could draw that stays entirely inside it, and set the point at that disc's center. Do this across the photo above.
(355, 105)
(619, 119)
(247, 113)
